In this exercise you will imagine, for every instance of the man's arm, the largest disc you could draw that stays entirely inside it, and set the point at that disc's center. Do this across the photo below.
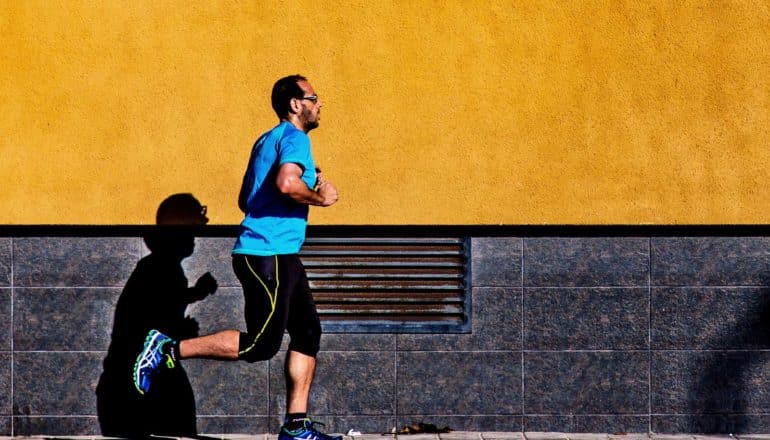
(289, 182)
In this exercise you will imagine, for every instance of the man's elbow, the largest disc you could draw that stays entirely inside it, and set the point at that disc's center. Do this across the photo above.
(285, 186)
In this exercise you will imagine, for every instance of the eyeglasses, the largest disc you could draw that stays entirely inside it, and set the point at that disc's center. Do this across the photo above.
(311, 98)
(204, 210)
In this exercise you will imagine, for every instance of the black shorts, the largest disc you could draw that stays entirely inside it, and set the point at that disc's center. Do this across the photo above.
(277, 298)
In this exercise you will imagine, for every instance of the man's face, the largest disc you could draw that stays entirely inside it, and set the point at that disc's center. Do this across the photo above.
(311, 107)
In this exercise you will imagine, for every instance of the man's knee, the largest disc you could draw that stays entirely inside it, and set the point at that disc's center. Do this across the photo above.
(307, 341)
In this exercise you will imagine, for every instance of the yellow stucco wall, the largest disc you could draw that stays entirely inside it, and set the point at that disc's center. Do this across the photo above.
(436, 112)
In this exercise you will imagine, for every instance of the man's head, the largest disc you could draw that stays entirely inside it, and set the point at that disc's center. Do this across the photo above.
(294, 100)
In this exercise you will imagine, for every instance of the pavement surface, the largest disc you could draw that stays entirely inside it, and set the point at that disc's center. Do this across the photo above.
(459, 435)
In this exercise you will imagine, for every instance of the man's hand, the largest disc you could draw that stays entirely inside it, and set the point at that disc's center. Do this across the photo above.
(289, 182)
(328, 192)
(319, 179)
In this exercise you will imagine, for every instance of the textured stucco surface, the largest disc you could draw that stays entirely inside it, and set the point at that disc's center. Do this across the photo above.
(512, 112)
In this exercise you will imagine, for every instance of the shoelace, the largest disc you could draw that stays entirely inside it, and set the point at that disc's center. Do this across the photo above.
(310, 427)
(316, 433)
(152, 357)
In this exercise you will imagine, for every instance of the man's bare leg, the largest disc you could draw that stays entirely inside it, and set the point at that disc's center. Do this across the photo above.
(220, 345)
(299, 370)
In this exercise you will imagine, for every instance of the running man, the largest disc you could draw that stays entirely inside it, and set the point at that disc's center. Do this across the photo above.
(280, 183)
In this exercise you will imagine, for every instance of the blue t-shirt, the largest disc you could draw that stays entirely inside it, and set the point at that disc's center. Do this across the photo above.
(274, 223)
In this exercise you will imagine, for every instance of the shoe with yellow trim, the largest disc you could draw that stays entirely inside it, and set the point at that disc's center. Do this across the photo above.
(156, 353)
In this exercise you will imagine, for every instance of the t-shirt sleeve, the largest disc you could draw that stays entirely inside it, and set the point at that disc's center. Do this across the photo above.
(295, 148)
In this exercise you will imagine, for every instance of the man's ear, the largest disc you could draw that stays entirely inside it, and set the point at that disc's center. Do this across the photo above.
(294, 105)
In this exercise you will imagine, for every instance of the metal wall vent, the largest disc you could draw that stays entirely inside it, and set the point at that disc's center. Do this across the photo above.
(384, 285)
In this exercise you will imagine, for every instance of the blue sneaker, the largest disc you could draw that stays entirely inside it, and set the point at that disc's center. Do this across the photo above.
(307, 432)
(149, 360)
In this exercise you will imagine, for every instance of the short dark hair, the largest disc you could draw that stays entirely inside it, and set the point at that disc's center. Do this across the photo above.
(284, 90)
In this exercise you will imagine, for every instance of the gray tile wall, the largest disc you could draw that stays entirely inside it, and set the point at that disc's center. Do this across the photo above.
(600, 334)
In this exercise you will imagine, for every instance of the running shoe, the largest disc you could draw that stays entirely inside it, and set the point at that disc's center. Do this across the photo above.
(150, 359)
(307, 432)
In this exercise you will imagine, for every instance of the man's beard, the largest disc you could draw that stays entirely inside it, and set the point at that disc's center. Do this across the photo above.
(311, 123)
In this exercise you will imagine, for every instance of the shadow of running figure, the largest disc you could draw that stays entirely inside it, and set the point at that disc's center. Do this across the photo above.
(155, 296)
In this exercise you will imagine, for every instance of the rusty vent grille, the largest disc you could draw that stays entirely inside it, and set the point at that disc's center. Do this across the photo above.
(409, 285)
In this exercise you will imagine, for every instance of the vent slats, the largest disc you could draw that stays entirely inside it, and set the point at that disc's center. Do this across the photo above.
(382, 284)
(387, 297)
(311, 262)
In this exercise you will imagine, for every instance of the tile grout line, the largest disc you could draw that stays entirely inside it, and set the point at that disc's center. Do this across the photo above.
(267, 395)
(13, 291)
(521, 336)
(649, 334)
(395, 383)
(587, 287)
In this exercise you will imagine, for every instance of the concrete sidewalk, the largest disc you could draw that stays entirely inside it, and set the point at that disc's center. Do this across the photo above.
(458, 435)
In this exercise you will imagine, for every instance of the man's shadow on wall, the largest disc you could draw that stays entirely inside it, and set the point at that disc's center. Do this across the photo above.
(155, 296)
(728, 394)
